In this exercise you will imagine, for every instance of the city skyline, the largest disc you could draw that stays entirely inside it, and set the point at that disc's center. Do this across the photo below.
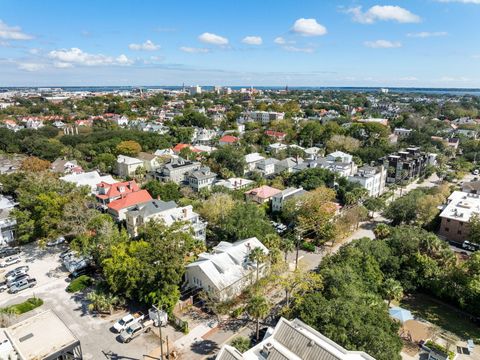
(407, 43)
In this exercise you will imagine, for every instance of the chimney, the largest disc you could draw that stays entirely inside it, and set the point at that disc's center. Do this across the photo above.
(185, 212)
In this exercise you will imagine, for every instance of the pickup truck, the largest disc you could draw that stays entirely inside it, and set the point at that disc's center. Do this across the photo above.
(10, 261)
(135, 330)
(22, 285)
(128, 320)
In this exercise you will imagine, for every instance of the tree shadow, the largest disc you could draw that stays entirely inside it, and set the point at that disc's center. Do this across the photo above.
(204, 347)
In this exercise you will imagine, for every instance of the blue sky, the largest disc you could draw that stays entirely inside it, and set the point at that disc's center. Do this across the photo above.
(415, 43)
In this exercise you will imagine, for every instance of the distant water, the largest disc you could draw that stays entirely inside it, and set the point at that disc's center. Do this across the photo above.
(400, 90)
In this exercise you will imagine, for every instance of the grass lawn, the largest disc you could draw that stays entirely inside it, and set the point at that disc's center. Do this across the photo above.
(24, 307)
(79, 284)
(443, 315)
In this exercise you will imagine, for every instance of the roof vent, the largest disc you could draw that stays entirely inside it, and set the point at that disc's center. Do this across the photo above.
(267, 348)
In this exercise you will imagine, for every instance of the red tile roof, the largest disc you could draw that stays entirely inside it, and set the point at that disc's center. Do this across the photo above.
(179, 147)
(117, 189)
(277, 134)
(129, 200)
(228, 139)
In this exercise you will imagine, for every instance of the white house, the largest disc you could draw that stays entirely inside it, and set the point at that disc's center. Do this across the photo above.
(371, 178)
(7, 223)
(293, 340)
(251, 160)
(90, 179)
(227, 270)
(166, 211)
(126, 165)
(279, 199)
(267, 167)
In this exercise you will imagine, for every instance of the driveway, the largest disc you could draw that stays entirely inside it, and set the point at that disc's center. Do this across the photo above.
(95, 335)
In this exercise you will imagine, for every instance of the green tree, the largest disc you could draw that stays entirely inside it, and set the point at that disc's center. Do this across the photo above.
(168, 191)
(258, 308)
(129, 148)
(257, 256)
(392, 290)
(241, 343)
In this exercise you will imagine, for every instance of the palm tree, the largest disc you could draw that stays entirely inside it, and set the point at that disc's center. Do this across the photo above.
(258, 308)
(258, 256)
(393, 290)
(287, 246)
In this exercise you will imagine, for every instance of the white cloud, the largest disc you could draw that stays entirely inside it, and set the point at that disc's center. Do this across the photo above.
(194, 50)
(307, 50)
(13, 32)
(308, 27)
(279, 40)
(383, 13)
(383, 44)
(454, 79)
(427, 34)
(34, 51)
(252, 40)
(408, 78)
(30, 66)
(476, 56)
(146, 46)
(75, 56)
(214, 39)
(62, 65)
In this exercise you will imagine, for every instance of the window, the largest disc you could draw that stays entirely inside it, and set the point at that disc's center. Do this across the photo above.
(459, 232)
(447, 229)
(448, 220)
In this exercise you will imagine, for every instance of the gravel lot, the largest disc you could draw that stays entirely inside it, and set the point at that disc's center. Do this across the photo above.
(95, 334)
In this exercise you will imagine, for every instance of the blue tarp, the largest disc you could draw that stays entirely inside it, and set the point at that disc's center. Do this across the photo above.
(400, 314)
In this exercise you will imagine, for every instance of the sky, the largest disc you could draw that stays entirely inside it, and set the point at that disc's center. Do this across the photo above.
(402, 43)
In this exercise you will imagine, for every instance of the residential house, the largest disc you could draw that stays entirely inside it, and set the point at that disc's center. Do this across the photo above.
(267, 166)
(107, 192)
(265, 116)
(371, 178)
(312, 152)
(118, 208)
(277, 135)
(455, 217)
(228, 140)
(261, 194)
(471, 134)
(226, 271)
(402, 133)
(234, 183)
(166, 211)
(200, 179)
(8, 223)
(62, 166)
(276, 147)
(151, 162)
(126, 165)
(407, 165)
(251, 161)
(383, 122)
(89, 179)
(279, 199)
(287, 165)
(176, 170)
(293, 340)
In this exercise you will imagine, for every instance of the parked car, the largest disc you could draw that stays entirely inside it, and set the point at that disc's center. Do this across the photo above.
(136, 329)
(18, 270)
(9, 251)
(66, 254)
(11, 277)
(127, 321)
(87, 270)
(57, 241)
(22, 285)
(3, 286)
(10, 261)
(16, 279)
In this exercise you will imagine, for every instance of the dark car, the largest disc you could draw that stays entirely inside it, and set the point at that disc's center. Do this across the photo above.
(9, 251)
(88, 270)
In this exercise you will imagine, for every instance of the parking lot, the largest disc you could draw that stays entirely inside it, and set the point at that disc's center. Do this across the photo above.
(97, 339)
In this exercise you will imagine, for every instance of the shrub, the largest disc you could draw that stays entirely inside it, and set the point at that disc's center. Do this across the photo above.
(23, 307)
(308, 246)
(79, 284)
(237, 312)
(241, 343)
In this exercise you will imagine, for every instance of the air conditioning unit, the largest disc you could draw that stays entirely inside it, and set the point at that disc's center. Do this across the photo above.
(267, 348)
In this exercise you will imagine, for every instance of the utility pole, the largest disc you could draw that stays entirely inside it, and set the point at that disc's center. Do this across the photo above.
(297, 243)
(160, 331)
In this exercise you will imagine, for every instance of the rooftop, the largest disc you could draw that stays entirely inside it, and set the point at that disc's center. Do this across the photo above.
(461, 206)
(40, 336)
(129, 200)
(263, 192)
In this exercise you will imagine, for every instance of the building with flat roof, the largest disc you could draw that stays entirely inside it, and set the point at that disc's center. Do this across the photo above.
(43, 336)
(293, 340)
(461, 206)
